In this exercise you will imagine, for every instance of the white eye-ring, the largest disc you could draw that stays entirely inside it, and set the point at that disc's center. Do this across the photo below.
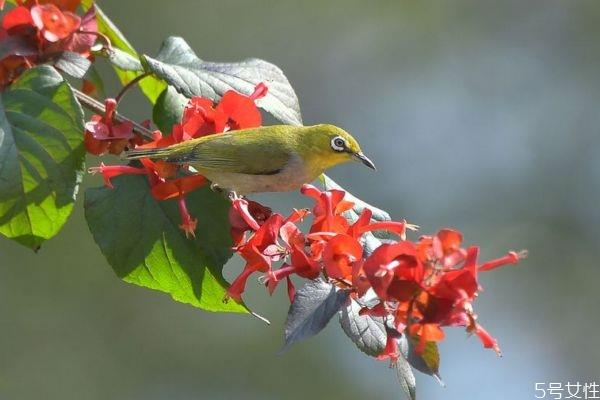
(338, 143)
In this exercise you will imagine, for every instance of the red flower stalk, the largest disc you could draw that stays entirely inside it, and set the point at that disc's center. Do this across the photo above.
(188, 224)
(112, 171)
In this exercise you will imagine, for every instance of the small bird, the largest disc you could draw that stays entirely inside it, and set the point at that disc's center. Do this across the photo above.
(274, 158)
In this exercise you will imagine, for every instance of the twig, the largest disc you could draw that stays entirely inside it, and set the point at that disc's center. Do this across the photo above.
(129, 85)
(94, 105)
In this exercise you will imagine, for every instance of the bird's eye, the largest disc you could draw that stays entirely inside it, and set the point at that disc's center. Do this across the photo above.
(338, 143)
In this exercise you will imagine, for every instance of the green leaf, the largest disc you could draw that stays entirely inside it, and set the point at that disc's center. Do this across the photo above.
(428, 362)
(404, 372)
(150, 86)
(41, 156)
(313, 307)
(168, 109)
(73, 64)
(181, 68)
(125, 61)
(366, 332)
(141, 239)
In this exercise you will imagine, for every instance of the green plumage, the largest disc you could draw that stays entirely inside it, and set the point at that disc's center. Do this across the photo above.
(264, 159)
(257, 151)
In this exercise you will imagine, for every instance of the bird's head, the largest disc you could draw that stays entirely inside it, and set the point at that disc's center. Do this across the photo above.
(327, 145)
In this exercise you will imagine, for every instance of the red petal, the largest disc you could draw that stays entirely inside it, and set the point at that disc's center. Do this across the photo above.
(68, 5)
(303, 265)
(110, 171)
(339, 255)
(260, 91)
(363, 220)
(98, 129)
(239, 285)
(53, 23)
(450, 239)
(240, 109)
(241, 206)
(488, 341)
(17, 16)
(511, 258)
(171, 189)
(291, 289)
(95, 146)
(188, 224)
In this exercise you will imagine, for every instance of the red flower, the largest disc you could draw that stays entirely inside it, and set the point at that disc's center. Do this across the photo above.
(328, 210)
(394, 271)
(340, 255)
(102, 133)
(244, 216)
(54, 24)
(421, 286)
(188, 224)
(16, 18)
(169, 189)
(39, 31)
(486, 339)
(391, 351)
(65, 5)
(256, 253)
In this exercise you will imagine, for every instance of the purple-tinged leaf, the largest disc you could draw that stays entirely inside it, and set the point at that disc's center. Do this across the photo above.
(365, 331)
(314, 305)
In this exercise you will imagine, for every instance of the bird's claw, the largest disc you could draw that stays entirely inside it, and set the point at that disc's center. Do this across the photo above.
(233, 196)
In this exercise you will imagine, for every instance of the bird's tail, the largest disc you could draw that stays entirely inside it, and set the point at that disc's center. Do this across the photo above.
(156, 153)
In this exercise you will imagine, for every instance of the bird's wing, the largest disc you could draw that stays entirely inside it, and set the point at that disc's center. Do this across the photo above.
(252, 152)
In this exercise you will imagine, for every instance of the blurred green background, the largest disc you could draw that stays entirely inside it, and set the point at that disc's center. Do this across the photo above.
(480, 115)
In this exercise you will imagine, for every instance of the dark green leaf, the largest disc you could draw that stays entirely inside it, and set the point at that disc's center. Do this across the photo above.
(366, 332)
(179, 66)
(73, 64)
(141, 239)
(41, 156)
(406, 377)
(151, 87)
(168, 109)
(313, 306)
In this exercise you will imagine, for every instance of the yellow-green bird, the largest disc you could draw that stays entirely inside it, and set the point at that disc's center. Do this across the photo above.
(275, 158)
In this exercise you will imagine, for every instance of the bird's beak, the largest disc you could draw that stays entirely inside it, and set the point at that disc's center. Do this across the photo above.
(365, 160)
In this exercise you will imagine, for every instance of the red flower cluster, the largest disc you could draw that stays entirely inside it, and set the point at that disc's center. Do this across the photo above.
(200, 118)
(420, 286)
(102, 134)
(35, 31)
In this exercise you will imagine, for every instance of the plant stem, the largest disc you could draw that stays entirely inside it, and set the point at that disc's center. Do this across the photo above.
(94, 105)
(129, 85)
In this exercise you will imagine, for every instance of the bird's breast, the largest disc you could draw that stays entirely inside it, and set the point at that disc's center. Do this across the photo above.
(289, 178)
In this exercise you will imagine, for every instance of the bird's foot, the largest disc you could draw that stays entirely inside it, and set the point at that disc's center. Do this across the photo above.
(230, 194)
(216, 188)
(233, 196)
